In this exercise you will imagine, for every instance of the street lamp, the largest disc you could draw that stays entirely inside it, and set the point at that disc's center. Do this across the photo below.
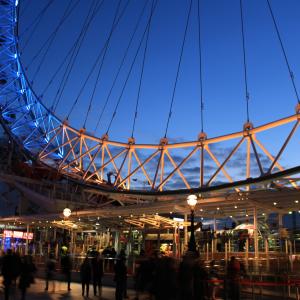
(192, 201)
(67, 212)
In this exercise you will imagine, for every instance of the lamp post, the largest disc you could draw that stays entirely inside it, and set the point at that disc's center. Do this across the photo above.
(192, 201)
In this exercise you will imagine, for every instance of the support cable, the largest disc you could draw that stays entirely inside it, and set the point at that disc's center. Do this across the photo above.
(94, 65)
(247, 97)
(101, 64)
(47, 49)
(142, 72)
(34, 25)
(54, 32)
(200, 65)
(284, 52)
(65, 59)
(121, 65)
(91, 13)
(178, 68)
(130, 70)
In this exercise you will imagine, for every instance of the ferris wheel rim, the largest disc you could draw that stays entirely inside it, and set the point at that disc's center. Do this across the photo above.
(248, 130)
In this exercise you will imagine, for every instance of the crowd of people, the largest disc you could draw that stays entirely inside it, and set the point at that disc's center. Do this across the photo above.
(13, 267)
(159, 277)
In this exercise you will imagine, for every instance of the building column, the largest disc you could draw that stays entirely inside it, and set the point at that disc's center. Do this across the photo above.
(255, 233)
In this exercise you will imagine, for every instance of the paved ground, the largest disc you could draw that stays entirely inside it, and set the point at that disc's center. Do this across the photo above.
(58, 291)
(37, 292)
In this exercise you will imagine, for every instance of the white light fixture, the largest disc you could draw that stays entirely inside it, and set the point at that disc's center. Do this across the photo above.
(192, 201)
(275, 203)
(67, 212)
(296, 201)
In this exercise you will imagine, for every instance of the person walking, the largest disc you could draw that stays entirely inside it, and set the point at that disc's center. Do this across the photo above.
(50, 270)
(233, 277)
(10, 271)
(97, 273)
(120, 277)
(86, 275)
(27, 271)
(66, 266)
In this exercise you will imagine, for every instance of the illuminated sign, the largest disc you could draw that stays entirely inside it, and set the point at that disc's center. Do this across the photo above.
(17, 234)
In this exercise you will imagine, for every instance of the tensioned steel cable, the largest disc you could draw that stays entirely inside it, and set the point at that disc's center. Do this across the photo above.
(95, 64)
(178, 68)
(244, 61)
(95, 6)
(101, 64)
(130, 70)
(283, 51)
(200, 64)
(121, 64)
(35, 25)
(42, 60)
(54, 32)
(142, 72)
(65, 59)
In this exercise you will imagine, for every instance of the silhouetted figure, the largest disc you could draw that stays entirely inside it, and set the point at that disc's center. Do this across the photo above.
(186, 276)
(27, 271)
(66, 266)
(86, 275)
(165, 279)
(213, 277)
(97, 272)
(10, 270)
(233, 277)
(113, 252)
(143, 275)
(200, 280)
(50, 270)
(120, 278)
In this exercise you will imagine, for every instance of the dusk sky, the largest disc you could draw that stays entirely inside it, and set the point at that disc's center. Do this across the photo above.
(270, 88)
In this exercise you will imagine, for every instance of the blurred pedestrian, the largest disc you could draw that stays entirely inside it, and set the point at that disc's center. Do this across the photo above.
(97, 273)
(66, 266)
(200, 280)
(213, 280)
(186, 276)
(86, 275)
(10, 271)
(120, 278)
(50, 270)
(233, 277)
(27, 271)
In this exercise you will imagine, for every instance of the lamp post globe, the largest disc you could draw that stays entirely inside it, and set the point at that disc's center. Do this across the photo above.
(192, 201)
(67, 212)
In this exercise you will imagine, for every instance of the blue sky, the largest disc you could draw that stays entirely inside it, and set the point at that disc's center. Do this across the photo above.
(271, 93)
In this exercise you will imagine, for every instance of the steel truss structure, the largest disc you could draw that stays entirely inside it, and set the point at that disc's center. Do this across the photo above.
(119, 166)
